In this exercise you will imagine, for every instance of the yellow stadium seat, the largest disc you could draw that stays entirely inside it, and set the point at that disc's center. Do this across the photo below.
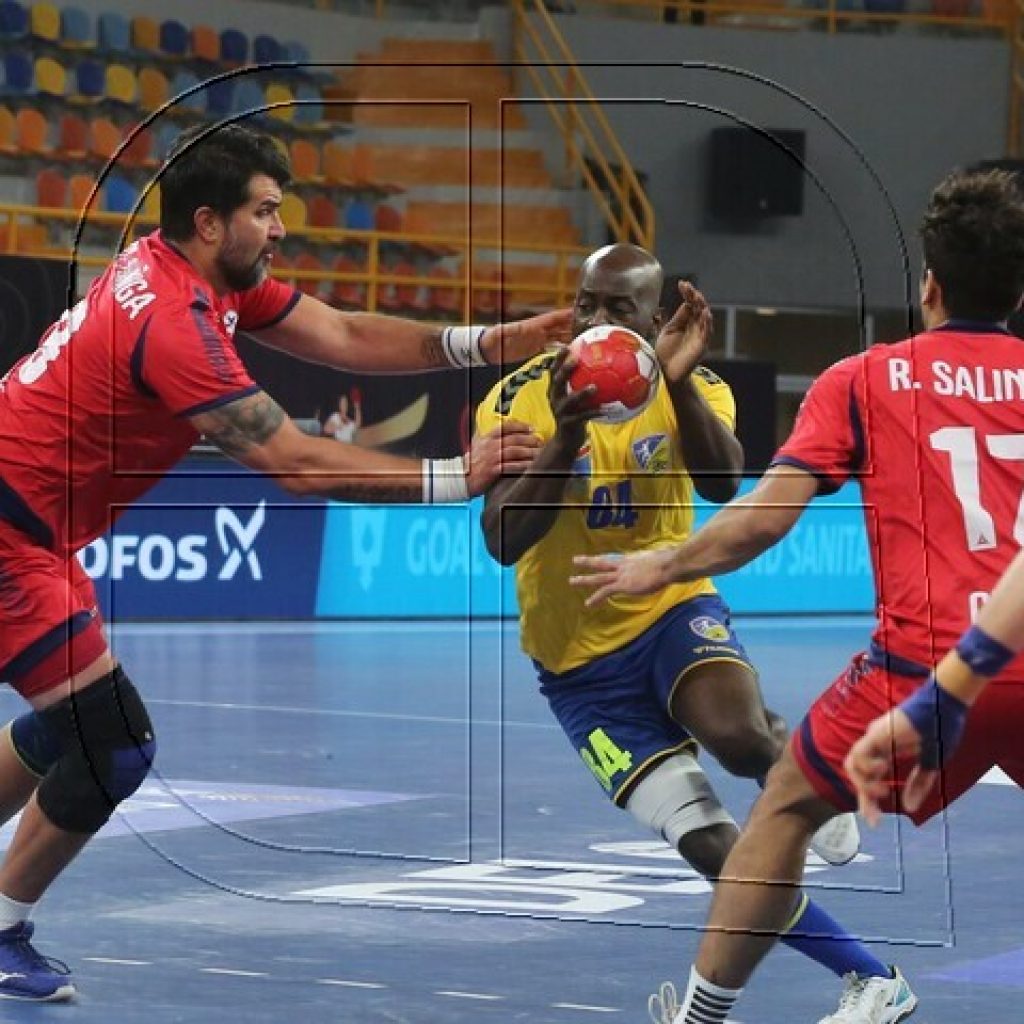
(145, 34)
(293, 212)
(277, 93)
(153, 89)
(51, 78)
(45, 22)
(122, 85)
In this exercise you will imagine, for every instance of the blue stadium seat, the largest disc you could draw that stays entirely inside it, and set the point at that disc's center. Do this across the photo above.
(220, 96)
(266, 50)
(90, 79)
(13, 20)
(119, 195)
(164, 134)
(249, 96)
(359, 215)
(175, 38)
(234, 46)
(114, 32)
(309, 109)
(181, 83)
(75, 27)
(296, 51)
(19, 73)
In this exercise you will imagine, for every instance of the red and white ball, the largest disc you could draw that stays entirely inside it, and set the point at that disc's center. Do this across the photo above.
(621, 365)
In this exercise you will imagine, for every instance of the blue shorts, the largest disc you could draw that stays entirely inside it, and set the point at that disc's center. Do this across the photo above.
(615, 709)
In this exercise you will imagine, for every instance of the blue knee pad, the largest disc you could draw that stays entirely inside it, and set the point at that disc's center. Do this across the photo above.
(34, 743)
(106, 745)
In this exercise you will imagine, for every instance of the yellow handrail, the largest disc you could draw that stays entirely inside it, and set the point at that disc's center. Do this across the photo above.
(589, 137)
(558, 293)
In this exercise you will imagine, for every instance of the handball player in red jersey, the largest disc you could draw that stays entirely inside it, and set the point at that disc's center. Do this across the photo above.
(119, 389)
(931, 429)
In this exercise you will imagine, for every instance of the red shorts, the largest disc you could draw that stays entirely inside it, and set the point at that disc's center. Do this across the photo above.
(50, 627)
(863, 692)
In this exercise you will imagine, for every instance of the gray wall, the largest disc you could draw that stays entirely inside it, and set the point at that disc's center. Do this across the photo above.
(915, 105)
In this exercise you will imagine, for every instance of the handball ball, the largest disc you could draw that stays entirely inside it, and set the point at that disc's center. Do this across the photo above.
(623, 368)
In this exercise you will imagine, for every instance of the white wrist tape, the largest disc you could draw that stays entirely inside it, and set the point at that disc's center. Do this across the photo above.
(462, 346)
(444, 480)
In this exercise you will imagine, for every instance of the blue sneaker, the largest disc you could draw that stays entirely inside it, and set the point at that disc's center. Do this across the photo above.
(25, 974)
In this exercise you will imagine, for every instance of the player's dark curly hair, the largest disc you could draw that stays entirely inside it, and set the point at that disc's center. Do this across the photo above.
(973, 237)
(214, 170)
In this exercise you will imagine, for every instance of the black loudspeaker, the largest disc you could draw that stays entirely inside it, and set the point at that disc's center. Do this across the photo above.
(750, 177)
(33, 293)
(753, 387)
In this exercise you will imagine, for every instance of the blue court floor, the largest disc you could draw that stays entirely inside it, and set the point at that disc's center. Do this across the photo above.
(380, 823)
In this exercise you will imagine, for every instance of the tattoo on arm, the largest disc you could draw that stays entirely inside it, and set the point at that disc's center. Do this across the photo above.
(238, 426)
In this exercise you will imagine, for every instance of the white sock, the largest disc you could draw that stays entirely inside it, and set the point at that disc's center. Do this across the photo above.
(706, 1003)
(12, 912)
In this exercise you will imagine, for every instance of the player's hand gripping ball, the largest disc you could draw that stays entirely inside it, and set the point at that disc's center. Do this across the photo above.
(622, 367)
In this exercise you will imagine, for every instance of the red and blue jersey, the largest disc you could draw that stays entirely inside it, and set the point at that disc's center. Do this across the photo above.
(932, 429)
(100, 410)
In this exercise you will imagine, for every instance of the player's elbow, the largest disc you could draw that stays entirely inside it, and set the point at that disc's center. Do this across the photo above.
(720, 488)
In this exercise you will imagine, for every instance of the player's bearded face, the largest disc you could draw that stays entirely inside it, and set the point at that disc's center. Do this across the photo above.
(243, 257)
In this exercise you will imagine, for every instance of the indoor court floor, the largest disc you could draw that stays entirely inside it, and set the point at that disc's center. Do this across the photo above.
(380, 822)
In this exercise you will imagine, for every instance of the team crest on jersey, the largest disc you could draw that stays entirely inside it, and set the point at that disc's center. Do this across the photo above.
(652, 453)
(230, 319)
(708, 628)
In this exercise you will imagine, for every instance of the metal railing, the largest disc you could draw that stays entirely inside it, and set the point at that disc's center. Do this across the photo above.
(19, 224)
(541, 52)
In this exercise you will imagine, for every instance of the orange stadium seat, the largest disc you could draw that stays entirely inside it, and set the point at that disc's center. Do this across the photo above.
(7, 131)
(104, 138)
(350, 295)
(80, 188)
(205, 43)
(322, 212)
(307, 261)
(305, 160)
(138, 151)
(51, 189)
(337, 164)
(145, 34)
(153, 87)
(72, 137)
(32, 131)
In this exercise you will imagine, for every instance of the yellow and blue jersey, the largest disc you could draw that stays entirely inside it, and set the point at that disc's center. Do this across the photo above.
(630, 490)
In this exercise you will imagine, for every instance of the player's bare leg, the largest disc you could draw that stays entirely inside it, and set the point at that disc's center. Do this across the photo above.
(754, 897)
(17, 783)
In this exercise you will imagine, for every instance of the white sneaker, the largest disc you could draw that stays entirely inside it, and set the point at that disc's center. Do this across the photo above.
(874, 1000)
(664, 1006)
(837, 842)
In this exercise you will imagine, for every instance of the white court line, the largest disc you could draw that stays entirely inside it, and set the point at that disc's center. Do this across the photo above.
(337, 713)
(583, 1006)
(471, 995)
(349, 984)
(112, 960)
(233, 973)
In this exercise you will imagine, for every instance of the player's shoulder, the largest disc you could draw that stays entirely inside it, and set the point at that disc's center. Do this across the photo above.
(528, 376)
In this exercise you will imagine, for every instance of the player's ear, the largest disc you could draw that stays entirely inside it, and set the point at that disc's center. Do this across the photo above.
(931, 290)
(208, 224)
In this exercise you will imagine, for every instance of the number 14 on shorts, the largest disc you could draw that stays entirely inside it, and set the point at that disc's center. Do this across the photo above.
(604, 758)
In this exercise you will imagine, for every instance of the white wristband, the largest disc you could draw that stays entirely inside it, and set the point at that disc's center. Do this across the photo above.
(462, 346)
(444, 480)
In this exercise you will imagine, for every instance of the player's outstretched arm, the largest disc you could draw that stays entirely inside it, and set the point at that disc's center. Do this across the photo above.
(929, 724)
(256, 432)
(374, 343)
(734, 536)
